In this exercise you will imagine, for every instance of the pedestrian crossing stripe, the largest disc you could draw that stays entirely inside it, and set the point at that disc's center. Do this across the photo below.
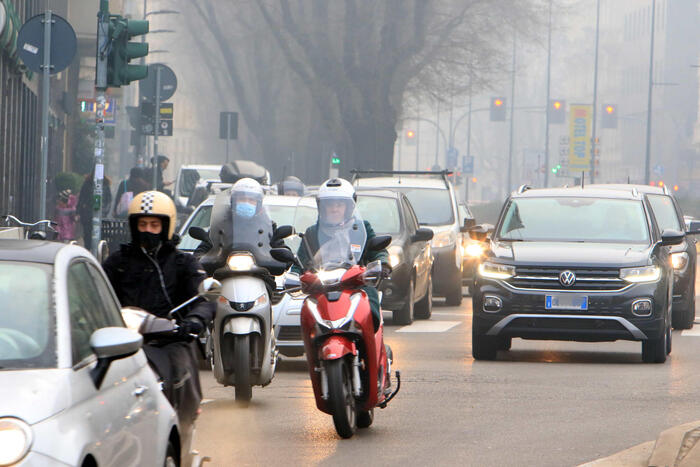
(429, 326)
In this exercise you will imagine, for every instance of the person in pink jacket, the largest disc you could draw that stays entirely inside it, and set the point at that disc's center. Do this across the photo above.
(66, 216)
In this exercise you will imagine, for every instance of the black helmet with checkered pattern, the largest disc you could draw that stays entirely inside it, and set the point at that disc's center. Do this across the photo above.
(153, 204)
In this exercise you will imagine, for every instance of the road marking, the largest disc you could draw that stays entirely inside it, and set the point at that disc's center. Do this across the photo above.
(429, 326)
(448, 313)
(206, 401)
(695, 332)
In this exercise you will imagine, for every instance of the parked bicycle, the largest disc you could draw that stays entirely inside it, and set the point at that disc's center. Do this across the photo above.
(40, 230)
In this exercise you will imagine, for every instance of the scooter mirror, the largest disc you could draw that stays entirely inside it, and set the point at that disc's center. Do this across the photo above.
(210, 289)
(291, 280)
(283, 231)
(379, 242)
(283, 255)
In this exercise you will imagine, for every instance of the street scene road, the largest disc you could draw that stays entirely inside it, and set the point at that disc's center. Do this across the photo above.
(544, 403)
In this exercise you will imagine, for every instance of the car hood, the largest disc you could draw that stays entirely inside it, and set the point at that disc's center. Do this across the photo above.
(34, 395)
(572, 254)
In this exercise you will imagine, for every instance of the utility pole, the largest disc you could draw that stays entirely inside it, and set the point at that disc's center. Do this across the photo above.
(46, 90)
(418, 136)
(469, 140)
(437, 131)
(549, 78)
(156, 154)
(100, 87)
(647, 175)
(595, 93)
(512, 101)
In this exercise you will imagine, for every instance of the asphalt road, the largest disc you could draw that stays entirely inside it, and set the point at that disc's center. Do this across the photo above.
(544, 403)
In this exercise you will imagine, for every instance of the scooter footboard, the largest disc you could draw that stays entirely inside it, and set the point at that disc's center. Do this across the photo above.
(336, 347)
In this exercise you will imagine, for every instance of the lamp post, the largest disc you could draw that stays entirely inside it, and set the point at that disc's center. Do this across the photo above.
(647, 163)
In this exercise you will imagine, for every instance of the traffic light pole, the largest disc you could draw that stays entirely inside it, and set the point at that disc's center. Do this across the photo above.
(549, 78)
(594, 144)
(156, 130)
(469, 141)
(512, 102)
(100, 87)
(647, 164)
(45, 92)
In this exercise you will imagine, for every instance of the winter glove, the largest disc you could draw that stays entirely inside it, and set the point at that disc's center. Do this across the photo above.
(191, 326)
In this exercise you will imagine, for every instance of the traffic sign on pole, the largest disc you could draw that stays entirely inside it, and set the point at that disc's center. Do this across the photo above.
(468, 164)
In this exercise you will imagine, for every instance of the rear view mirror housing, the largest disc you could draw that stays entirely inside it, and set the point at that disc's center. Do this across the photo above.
(423, 234)
(199, 233)
(110, 344)
(379, 242)
(480, 232)
(283, 231)
(469, 222)
(693, 227)
(671, 237)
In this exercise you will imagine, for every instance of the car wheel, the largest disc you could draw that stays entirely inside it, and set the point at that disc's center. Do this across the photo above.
(683, 317)
(454, 296)
(171, 459)
(654, 350)
(404, 316)
(483, 347)
(669, 339)
(424, 308)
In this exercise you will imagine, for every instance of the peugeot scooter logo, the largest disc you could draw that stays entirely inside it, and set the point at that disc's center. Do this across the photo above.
(567, 278)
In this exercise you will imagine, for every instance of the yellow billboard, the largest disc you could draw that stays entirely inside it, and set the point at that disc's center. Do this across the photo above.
(580, 137)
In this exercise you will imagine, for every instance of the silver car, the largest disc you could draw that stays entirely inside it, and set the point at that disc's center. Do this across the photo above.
(75, 388)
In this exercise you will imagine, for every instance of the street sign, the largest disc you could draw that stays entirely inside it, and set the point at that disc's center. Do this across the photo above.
(228, 125)
(468, 164)
(62, 45)
(166, 128)
(452, 157)
(168, 83)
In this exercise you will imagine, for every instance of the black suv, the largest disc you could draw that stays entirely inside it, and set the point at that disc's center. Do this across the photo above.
(578, 264)
(668, 215)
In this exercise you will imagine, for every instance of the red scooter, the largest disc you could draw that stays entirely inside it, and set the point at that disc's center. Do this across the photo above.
(349, 364)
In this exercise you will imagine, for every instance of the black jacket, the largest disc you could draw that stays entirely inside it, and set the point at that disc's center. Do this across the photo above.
(157, 289)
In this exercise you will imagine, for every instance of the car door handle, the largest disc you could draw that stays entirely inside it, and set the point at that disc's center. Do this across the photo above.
(140, 391)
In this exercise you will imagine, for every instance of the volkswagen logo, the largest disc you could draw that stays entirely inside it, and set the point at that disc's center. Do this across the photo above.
(567, 278)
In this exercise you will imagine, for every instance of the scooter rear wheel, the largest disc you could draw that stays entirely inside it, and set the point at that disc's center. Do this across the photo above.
(340, 397)
(365, 418)
(241, 352)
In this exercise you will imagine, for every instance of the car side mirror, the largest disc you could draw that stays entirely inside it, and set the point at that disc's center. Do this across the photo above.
(480, 232)
(209, 289)
(423, 234)
(110, 344)
(671, 237)
(379, 242)
(693, 228)
(469, 222)
(283, 231)
(199, 233)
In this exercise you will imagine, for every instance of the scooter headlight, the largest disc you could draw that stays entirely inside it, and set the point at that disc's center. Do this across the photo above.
(240, 262)
(332, 276)
(15, 440)
(261, 300)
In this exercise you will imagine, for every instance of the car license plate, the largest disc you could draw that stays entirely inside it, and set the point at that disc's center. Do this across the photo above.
(566, 302)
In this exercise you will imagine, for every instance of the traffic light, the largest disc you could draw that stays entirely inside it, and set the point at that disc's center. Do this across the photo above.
(410, 137)
(609, 119)
(498, 109)
(335, 161)
(122, 51)
(556, 169)
(556, 112)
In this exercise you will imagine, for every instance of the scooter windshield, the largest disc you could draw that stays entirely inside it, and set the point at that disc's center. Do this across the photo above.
(340, 246)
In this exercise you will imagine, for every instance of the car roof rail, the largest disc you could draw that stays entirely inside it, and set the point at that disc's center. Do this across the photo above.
(357, 174)
(523, 188)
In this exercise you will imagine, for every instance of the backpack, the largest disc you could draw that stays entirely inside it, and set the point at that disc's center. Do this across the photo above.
(124, 201)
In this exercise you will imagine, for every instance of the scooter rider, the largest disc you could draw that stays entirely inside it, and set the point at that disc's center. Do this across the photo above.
(336, 200)
(152, 274)
(291, 186)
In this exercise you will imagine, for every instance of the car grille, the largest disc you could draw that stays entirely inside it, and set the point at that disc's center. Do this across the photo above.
(289, 333)
(536, 277)
(535, 304)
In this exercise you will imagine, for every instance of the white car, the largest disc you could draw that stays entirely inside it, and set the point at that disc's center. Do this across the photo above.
(286, 308)
(76, 388)
(187, 178)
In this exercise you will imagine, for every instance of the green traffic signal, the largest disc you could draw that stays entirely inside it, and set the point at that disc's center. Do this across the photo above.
(554, 170)
(335, 160)
(119, 71)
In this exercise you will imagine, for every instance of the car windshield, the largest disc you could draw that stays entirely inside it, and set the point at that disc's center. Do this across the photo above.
(381, 213)
(665, 212)
(27, 325)
(569, 219)
(190, 177)
(201, 219)
(280, 214)
(432, 206)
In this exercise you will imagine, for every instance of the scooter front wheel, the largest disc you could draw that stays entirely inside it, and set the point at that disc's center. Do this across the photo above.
(241, 352)
(341, 398)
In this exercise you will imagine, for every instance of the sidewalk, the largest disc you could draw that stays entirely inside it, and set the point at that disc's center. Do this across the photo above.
(675, 447)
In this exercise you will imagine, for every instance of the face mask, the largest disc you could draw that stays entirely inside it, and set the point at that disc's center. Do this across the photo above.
(149, 241)
(245, 210)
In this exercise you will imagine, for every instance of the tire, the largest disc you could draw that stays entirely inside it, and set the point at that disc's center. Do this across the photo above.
(504, 343)
(684, 317)
(669, 341)
(483, 347)
(654, 350)
(241, 354)
(404, 316)
(340, 398)
(365, 418)
(171, 459)
(454, 296)
(424, 308)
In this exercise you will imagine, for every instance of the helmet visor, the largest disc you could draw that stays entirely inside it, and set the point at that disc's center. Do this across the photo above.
(335, 211)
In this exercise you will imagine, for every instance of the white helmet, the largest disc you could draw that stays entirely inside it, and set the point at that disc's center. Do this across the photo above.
(336, 189)
(248, 189)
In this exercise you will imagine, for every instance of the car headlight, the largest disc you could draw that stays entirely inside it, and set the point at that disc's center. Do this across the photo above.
(395, 256)
(443, 239)
(15, 440)
(474, 250)
(641, 274)
(496, 271)
(240, 262)
(679, 260)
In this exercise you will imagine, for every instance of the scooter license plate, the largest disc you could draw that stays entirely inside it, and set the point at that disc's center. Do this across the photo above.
(566, 302)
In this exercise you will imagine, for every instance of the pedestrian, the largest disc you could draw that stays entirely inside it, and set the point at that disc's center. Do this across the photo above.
(159, 167)
(128, 189)
(66, 215)
(86, 203)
